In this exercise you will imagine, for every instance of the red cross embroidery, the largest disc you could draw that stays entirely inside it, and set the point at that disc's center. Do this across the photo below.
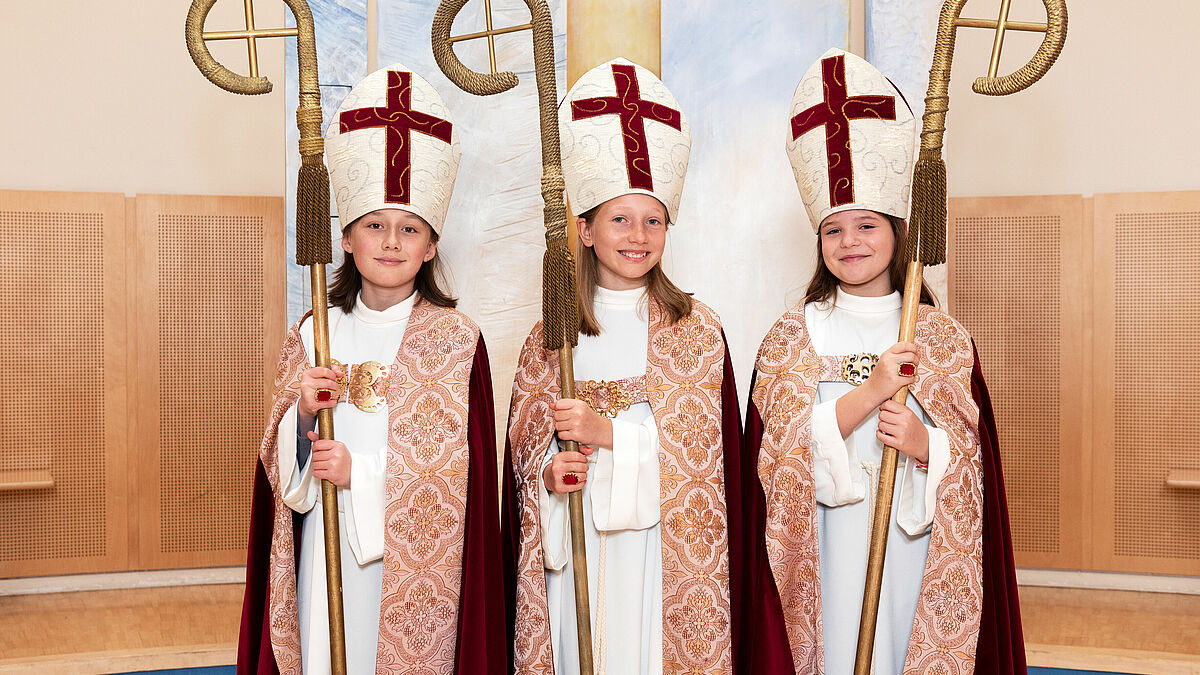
(398, 119)
(835, 113)
(632, 110)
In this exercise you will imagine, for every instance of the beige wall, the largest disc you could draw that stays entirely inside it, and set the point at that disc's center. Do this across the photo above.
(1117, 113)
(102, 96)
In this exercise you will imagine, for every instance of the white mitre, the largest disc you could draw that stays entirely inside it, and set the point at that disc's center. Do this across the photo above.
(392, 145)
(851, 139)
(623, 132)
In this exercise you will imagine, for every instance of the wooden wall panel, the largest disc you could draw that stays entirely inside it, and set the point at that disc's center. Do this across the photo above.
(1147, 299)
(209, 328)
(63, 453)
(1015, 279)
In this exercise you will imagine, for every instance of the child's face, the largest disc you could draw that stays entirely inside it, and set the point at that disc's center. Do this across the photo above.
(628, 233)
(857, 248)
(389, 247)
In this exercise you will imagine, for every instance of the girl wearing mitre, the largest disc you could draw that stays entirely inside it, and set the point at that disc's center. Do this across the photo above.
(821, 413)
(414, 458)
(655, 414)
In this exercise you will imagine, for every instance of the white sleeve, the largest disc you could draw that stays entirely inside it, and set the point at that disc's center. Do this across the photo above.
(556, 535)
(364, 505)
(625, 491)
(297, 487)
(915, 515)
(836, 477)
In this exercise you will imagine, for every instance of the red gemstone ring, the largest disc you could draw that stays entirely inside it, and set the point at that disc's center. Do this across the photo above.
(324, 395)
(908, 369)
(571, 479)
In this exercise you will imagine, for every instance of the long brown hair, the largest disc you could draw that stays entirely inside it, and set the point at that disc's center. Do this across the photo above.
(674, 302)
(347, 281)
(823, 285)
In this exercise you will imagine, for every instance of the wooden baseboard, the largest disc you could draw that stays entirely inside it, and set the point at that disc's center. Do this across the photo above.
(1112, 660)
(97, 663)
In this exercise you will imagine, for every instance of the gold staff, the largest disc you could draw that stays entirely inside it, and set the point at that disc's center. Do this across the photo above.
(313, 245)
(926, 243)
(560, 311)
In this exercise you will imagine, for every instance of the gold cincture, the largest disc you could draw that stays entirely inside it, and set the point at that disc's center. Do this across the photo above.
(606, 398)
(365, 384)
(856, 368)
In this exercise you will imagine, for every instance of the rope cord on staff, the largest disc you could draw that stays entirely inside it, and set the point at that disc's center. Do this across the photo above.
(313, 240)
(926, 243)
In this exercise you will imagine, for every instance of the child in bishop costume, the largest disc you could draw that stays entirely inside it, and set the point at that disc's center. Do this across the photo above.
(820, 414)
(414, 460)
(656, 416)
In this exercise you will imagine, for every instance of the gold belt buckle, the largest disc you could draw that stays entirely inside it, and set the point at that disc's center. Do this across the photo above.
(617, 398)
(856, 368)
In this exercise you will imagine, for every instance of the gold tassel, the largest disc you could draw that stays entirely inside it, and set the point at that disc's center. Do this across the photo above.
(927, 223)
(313, 241)
(560, 309)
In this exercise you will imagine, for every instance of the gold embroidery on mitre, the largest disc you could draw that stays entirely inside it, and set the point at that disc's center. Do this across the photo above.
(856, 368)
(610, 397)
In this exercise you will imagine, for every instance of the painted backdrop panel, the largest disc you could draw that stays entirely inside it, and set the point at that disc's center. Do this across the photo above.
(743, 242)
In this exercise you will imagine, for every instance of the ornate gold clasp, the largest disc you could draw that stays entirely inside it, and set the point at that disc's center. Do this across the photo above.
(606, 398)
(856, 368)
(365, 384)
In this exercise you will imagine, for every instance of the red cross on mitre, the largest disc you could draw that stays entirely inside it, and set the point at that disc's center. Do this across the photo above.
(835, 113)
(398, 120)
(632, 111)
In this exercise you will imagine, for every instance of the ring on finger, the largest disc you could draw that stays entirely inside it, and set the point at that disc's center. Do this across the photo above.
(571, 478)
(907, 369)
(324, 395)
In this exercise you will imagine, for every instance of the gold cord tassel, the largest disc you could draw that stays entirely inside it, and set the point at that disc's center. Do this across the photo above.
(313, 240)
(560, 310)
(927, 224)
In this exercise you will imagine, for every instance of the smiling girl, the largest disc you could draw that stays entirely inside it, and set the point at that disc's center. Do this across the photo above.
(821, 411)
(414, 455)
(655, 415)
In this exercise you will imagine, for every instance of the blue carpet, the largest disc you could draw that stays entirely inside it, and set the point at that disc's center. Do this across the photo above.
(1065, 671)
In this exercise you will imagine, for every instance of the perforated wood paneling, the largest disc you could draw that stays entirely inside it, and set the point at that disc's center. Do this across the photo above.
(1151, 333)
(62, 321)
(216, 323)
(1007, 286)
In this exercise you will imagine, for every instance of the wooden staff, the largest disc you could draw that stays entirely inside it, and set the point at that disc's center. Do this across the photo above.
(926, 240)
(313, 241)
(560, 310)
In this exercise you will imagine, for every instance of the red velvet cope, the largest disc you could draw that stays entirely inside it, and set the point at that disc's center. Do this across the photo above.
(483, 647)
(1001, 649)
(632, 110)
(764, 644)
(399, 120)
(835, 113)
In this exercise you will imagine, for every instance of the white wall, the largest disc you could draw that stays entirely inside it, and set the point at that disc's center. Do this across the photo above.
(1117, 113)
(102, 96)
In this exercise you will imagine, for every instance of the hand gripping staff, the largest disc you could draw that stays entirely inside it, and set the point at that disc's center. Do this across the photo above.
(926, 243)
(560, 311)
(313, 245)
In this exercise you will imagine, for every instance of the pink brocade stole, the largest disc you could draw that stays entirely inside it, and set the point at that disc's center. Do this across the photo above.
(684, 372)
(945, 629)
(425, 492)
